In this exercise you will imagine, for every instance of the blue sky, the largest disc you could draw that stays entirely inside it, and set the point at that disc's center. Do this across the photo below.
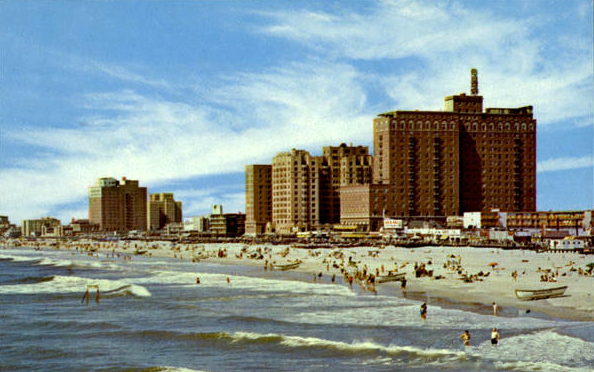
(182, 94)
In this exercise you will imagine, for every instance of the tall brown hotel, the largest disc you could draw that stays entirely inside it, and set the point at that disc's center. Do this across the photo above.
(301, 192)
(463, 159)
(258, 205)
(429, 164)
(118, 206)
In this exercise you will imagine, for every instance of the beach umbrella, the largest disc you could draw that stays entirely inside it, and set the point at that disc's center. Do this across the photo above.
(493, 264)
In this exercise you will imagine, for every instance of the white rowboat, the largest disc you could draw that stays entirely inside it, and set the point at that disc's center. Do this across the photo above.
(537, 294)
(390, 278)
(287, 266)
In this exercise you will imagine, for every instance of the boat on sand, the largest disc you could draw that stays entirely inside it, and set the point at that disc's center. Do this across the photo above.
(288, 266)
(390, 278)
(537, 294)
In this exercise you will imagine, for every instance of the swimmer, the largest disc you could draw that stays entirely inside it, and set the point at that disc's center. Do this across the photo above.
(494, 337)
(466, 338)
(424, 311)
(494, 309)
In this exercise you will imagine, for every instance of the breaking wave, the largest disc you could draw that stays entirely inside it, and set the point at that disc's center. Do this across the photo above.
(74, 284)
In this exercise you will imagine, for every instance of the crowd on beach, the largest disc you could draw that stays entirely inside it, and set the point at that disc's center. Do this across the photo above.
(441, 271)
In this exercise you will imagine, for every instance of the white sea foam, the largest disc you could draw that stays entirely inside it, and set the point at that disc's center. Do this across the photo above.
(519, 353)
(554, 352)
(246, 282)
(55, 259)
(538, 366)
(74, 284)
(55, 262)
(354, 347)
(174, 369)
(18, 258)
(405, 313)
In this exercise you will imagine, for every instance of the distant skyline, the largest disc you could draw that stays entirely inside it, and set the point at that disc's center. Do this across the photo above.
(181, 95)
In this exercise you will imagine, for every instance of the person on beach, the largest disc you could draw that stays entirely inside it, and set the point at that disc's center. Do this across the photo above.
(495, 337)
(466, 338)
(494, 308)
(424, 311)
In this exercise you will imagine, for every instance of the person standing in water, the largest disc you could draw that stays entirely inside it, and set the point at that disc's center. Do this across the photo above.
(424, 311)
(466, 338)
(495, 337)
(494, 308)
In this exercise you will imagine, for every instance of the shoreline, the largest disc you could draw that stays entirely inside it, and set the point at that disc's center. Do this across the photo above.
(497, 286)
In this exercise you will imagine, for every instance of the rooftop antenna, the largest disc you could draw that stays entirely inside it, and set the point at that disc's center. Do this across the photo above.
(474, 82)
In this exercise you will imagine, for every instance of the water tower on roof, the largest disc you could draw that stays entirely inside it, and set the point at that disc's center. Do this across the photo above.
(474, 82)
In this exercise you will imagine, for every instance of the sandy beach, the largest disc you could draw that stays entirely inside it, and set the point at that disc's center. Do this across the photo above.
(464, 274)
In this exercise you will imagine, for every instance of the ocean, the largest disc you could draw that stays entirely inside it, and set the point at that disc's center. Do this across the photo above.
(153, 316)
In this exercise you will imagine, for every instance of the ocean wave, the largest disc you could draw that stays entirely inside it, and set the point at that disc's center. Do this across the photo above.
(82, 263)
(74, 284)
(512, 353)
(59, 262)
(341, 347)
(538, 366)
(31, 280)
(74, 325)
(169, 369)
(354, 348)
(405, 313)
(162, 369)
(18, 258)
(247, 282)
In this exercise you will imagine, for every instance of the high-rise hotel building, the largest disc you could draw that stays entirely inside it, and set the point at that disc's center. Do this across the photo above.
(258, 198)
(161, 210)
(300, 182)
(301, 192)
(118, 206)
(441, 163)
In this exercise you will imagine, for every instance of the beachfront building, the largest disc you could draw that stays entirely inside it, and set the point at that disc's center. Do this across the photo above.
(362, 206)
(197, 223)
(162, 209)
(4, 224)
(306, 188)
(118, 206)
(227, 224)
(576, 221)
(347, 165)
(39, 227)
(258, 198)
(571, 222)
(299, 182)
(464, 159)
(82, 227)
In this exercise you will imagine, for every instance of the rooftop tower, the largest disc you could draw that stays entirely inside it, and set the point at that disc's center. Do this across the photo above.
(474, 82)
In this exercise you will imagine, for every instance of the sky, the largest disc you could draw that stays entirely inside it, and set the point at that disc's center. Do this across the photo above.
(181, 95)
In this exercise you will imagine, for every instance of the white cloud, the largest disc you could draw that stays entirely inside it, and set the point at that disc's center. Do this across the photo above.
(156, 140)
(520, 61)
(309, 103)
(564, 163)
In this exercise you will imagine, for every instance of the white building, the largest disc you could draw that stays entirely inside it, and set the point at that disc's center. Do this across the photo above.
(200, 224)
(472, 219)
(567, 243)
